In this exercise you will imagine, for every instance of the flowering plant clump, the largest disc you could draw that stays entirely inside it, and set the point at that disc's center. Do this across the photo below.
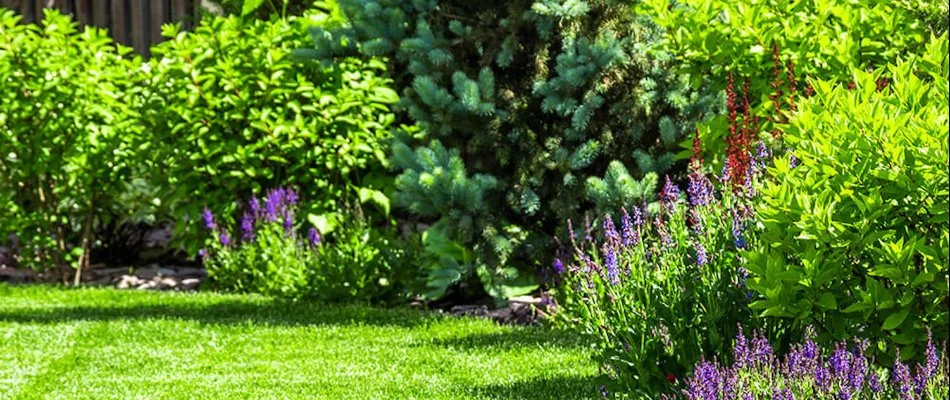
(806, 373)
(267, 254)
(665, 286)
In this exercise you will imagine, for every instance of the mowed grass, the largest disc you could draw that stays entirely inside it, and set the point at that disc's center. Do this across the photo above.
(108, 344)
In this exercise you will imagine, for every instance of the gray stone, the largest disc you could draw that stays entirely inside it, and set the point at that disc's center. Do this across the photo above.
(129, 281)
(189, 283)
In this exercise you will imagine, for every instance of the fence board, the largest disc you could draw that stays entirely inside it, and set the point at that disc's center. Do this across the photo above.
(158, 15)
(135, 23)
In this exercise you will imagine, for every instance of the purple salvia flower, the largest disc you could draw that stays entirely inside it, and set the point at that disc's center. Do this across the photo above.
(701, 256)
(737, 230)
(901, 378)
(313, 237)
(290, 196)
(610, 231)
(920, 380)
(247, 227)
(793, 161)
(874, 381)
(637, 216)
(288, 222)
(610, 262)
(271, 205)
(225, 239)
(203, 253)
(254, 206)
(558, 266)
(626, 225)
(699, 189)
(761, 349)
(603, 391)
(669, 195)
(740, 352)
(840, 361)
(208, 218)
(747, 395)
(823, 378)
(933, 362)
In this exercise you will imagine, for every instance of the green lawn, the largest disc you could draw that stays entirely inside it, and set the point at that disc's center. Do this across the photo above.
(110, 344)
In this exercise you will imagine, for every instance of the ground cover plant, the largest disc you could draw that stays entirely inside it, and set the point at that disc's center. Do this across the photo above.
(808, 372)
(267, 251)
(522, 105)
(105, 343)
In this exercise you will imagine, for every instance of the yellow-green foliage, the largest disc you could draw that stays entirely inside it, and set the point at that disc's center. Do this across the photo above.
(855, 238)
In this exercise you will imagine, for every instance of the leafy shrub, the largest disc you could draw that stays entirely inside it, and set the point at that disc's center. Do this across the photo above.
(666, 287)
(232, 112)
(68, 103)
(523, 105)
(804, 373)
(855, 238)
(819, 39)
(265, 253)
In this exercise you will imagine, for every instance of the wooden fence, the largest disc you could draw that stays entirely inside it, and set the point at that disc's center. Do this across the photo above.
(135, 23)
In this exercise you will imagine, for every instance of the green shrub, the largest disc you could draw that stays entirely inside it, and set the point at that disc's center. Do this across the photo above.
(523, 106)
(664, 287)
(818, 39)
(855, 238)
(231, 112)
(266, 252)
(68, 120)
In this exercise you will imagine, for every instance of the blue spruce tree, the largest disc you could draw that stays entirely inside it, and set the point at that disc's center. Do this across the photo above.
(532, 112)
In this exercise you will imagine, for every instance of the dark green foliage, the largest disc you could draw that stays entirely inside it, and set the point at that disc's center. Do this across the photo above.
(232, 112)
(520, 102)
(855, 238)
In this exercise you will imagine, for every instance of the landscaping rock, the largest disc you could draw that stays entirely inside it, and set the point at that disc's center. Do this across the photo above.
(189, 283)
(129, 281)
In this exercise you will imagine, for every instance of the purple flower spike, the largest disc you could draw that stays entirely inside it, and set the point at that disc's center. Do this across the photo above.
(613, 269)
(699, 189)
(290, 196)
(254, 206)
(741, 350)
(225, 239)
(630, 236)
(203, 253)
(558, 266)
(933, 362)
(637, 216)
(669, 195)
(702, 257)
(208, 218)
(610, 231)
(901, 378)
(313, 236)
(288, 223)
(247, 227)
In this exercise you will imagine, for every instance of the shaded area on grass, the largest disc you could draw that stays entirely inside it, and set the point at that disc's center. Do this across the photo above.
(570, 387)
(106, 343)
